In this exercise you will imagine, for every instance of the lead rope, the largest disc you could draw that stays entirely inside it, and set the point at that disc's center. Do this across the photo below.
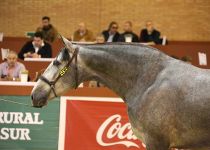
(14, 102)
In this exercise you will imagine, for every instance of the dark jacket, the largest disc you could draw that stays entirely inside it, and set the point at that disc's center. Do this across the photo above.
(154, 37)
(45, 51)
(134, 37)
(115, 38)
(49, 33)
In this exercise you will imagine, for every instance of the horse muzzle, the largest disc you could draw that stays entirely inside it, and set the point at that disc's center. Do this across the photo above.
(39, 99)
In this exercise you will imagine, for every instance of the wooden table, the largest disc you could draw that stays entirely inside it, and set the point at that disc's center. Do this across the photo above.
(181, 48)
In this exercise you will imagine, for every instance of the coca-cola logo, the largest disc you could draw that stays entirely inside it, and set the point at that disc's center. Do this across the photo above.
(112, 128)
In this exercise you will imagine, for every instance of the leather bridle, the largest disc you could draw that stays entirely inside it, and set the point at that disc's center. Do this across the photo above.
(62, 72)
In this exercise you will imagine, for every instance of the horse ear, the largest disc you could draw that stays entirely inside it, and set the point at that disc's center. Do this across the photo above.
(67, 44)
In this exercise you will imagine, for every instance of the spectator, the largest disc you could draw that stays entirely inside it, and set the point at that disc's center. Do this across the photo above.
(111, 35)
(83, 34)
(100, 38)
(48, 30)
(10, 70)
(37, 48)
(150, 35)
(128, 35)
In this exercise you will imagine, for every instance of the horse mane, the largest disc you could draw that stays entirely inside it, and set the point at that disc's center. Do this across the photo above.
(115, 44)
(104, 46)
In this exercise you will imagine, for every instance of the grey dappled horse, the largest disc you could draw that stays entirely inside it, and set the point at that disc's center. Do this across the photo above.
(168, 101)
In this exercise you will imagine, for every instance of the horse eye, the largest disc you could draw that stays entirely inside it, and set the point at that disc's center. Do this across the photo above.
(56, 63)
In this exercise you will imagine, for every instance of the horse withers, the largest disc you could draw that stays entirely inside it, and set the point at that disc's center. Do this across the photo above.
(168, 100)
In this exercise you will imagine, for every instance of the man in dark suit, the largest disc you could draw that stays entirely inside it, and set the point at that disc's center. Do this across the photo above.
(150, 35)
(128, 35)
(111, 35)
(37, 48)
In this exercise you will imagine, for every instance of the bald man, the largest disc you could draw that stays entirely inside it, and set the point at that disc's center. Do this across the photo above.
(11, 69)
(150, 35)
(83, 34)
(128, 35)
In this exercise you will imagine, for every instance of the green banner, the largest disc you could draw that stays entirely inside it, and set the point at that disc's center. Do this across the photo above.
(28, 128)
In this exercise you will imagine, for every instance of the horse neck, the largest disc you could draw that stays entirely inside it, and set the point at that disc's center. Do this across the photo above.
(119, 68)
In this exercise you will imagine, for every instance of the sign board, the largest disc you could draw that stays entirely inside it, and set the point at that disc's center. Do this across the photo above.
(96, 123)
(28, 128)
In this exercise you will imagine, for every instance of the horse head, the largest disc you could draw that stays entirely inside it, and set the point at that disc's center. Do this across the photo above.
(59, 76)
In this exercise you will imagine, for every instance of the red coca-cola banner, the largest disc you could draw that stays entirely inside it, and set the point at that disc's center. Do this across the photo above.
(94, 125)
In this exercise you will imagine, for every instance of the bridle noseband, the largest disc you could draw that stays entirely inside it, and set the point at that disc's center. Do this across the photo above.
(62, 72)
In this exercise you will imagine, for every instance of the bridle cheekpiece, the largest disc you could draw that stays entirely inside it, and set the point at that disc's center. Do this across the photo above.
(63, 72)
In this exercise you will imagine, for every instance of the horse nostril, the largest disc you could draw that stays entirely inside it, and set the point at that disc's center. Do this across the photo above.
(33, 97)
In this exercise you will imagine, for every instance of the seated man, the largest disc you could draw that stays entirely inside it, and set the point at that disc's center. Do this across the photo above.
(150, 35)
(48, 30)
(128, 35)
(37, 48)
(111, 35)
(10, 70)
(83, 34)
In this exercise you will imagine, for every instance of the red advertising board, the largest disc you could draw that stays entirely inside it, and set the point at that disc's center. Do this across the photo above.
(98, 125)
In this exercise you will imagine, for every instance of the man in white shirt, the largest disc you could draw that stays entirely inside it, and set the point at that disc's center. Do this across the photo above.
(10, 70)
(37, 48)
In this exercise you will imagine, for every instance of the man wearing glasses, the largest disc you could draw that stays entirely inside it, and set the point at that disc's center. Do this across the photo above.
(112, 34)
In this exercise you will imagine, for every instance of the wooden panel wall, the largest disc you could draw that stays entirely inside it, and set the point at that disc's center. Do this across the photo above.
(177, 19)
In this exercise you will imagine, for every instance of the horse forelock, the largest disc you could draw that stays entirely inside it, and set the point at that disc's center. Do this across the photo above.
(64, 54)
